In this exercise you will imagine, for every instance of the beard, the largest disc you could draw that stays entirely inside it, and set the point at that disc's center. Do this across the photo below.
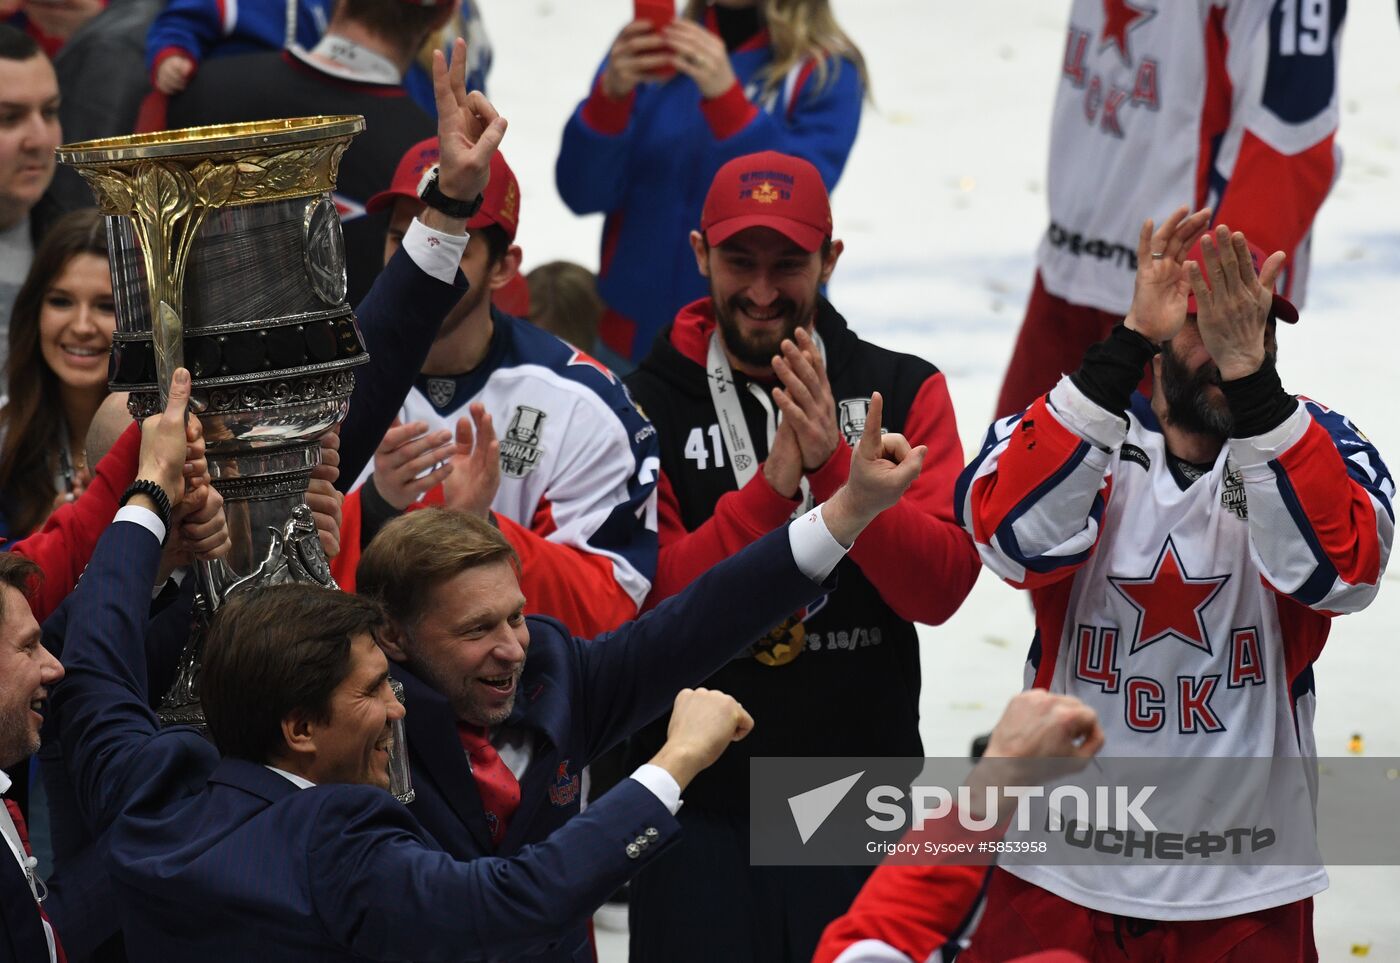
(757, 349)
(1189, 406)
(462, 696)
(461, 311)
(18, 740)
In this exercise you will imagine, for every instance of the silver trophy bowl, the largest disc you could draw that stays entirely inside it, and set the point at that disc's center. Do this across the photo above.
(227, 258)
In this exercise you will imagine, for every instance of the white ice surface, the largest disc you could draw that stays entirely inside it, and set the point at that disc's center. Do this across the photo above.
(941, 207)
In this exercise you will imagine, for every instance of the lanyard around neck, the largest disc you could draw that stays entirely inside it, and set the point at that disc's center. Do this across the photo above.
(27, 863)
(738, 442)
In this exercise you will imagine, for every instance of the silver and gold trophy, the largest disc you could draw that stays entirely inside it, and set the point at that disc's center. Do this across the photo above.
(227, 259)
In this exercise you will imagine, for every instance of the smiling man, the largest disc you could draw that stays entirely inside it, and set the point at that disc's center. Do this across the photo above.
(757, 393)
(27, 671)
(29, 132)
(506, 710)
(280, 841)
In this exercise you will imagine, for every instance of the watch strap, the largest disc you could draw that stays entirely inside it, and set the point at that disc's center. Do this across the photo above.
(153, 491)
(431, 194)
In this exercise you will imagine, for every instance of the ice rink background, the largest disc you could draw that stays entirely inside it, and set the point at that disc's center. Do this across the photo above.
(941, 207)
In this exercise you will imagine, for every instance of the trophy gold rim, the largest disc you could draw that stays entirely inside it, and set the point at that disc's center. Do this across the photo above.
(211, 139)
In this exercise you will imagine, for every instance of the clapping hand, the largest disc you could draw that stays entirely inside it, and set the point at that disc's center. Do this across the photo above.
(1232, 310)
(1160, 289)
(476, 464)
(409, 461)
(805, 399)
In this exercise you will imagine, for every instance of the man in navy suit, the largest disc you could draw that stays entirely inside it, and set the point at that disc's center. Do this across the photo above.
(27, 670)
(458, 641)
(281, 843)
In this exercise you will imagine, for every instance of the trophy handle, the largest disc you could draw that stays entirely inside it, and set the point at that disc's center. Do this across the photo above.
(169, 340)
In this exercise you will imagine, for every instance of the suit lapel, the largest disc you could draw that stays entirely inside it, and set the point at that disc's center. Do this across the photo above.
(542, 709)
(435, 750)
(544, 760)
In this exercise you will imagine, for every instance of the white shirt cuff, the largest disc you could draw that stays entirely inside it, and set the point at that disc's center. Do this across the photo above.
(144, 517)
(660, 784)
(177, 576)
(815, 550)
(437, 254)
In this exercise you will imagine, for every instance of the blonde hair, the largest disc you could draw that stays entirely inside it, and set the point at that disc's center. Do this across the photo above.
(799, 30)
(417, 551)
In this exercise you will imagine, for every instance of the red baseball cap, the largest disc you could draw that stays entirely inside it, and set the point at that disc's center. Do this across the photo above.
(771, 190)
(1283, 308)
(499, 206)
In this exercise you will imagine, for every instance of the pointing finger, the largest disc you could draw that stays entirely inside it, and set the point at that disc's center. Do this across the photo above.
(869, 447)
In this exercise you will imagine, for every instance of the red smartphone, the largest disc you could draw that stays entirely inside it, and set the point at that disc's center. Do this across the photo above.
(658, 13)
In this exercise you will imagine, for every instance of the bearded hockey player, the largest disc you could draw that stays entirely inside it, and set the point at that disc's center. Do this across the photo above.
(1185, 557)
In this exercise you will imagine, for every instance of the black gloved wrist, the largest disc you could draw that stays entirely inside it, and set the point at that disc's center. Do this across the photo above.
(1258, 402)
(1112, 369)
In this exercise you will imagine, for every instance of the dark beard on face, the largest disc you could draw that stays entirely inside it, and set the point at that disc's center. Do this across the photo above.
(460, 312)
(1188, 406)
(756, 352)
(17, 740)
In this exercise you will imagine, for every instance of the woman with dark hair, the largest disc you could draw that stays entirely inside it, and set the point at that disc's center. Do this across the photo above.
(60, 337)
(673, 101)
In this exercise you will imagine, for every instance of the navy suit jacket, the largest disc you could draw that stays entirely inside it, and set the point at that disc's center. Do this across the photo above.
(399, 319)
(579, 697)
(220, 860)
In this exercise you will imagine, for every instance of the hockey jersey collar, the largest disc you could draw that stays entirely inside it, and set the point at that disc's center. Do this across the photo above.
(444, 391)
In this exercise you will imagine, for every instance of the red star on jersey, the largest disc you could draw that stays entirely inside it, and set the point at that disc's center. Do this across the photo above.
(581, 357)
(1119, 17)
(1169, 602)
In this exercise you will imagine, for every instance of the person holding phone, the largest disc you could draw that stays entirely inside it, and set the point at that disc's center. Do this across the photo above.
(675, 98)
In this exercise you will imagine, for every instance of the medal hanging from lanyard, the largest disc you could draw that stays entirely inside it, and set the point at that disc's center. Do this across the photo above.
(786, 641)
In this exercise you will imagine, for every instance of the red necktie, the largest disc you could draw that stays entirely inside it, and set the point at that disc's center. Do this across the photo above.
(496, 784)
(18, 818)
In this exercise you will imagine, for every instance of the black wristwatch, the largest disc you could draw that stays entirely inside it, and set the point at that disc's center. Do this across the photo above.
(429, 193)
(144, 486)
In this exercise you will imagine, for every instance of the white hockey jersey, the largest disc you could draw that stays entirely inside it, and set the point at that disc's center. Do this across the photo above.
(578, 460)
(1226, 103)
(1187, 614)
